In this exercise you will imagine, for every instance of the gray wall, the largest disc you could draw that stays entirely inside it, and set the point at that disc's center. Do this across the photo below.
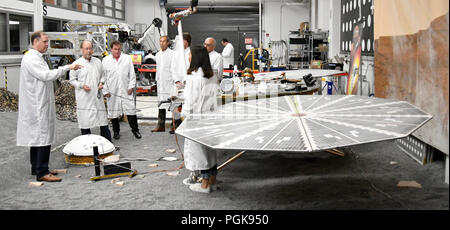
(219, 25)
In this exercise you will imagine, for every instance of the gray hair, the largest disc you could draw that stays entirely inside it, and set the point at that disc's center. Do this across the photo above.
(165, 36)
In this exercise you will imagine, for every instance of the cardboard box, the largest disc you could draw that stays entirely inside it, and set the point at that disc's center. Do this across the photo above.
(304, 26)
(323, 48)
(316, 64)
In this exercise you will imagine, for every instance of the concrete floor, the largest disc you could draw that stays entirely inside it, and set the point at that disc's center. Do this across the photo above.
(147, 108)
(363, 179)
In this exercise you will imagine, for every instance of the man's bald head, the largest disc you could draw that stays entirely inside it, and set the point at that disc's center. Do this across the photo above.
(86, 41)
(210, 44)
(87, 49)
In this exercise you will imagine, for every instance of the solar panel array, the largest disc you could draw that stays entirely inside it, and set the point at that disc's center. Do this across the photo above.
(303, 123)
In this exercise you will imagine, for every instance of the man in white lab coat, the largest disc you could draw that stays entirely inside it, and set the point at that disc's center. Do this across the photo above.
(227, 54)
(88, 83)
(164, 78)
(215, 58)
(120, 81)
(37, 113)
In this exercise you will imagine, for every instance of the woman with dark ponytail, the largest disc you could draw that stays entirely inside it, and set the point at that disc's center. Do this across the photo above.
(200, 96)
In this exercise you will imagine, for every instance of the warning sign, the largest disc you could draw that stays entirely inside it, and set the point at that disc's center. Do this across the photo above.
(248, 41)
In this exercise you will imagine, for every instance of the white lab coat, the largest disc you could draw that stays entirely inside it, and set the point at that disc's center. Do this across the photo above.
(119, 76)
(180, 64)
(187, 52)
(37, 113)
(228, 55)
(164, 76)
(216, 64)
(200, 96)
(91, 110)
(179, 71)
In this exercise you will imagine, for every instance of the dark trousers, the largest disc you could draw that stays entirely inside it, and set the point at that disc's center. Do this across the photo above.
(39, 157)
(209, 172)
(104, 132)
(177, 123)
(162, 120)
(132, 121)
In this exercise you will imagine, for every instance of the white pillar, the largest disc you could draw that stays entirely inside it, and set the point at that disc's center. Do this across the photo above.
(334, 39)
(38, 18)
(313, 22)
(260, 36)
(260, 25)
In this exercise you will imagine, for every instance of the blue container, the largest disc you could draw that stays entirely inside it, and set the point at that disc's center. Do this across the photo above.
(329, 87)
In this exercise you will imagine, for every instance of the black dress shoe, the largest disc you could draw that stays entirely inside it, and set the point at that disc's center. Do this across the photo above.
(172, 131)
(137, 134)
(116, 136)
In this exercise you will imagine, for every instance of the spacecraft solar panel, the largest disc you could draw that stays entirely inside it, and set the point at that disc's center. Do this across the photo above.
(303, 123)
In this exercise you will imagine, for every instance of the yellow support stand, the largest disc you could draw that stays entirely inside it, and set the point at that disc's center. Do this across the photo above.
(252, 51)
(129, 174)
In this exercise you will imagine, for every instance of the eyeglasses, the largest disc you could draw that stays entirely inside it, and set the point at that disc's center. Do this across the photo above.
(206, 44)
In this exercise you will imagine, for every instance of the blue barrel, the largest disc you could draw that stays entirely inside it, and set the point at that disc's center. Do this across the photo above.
(329, 87)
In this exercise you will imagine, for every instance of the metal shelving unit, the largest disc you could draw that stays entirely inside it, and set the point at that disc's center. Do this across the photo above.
(304, 47)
